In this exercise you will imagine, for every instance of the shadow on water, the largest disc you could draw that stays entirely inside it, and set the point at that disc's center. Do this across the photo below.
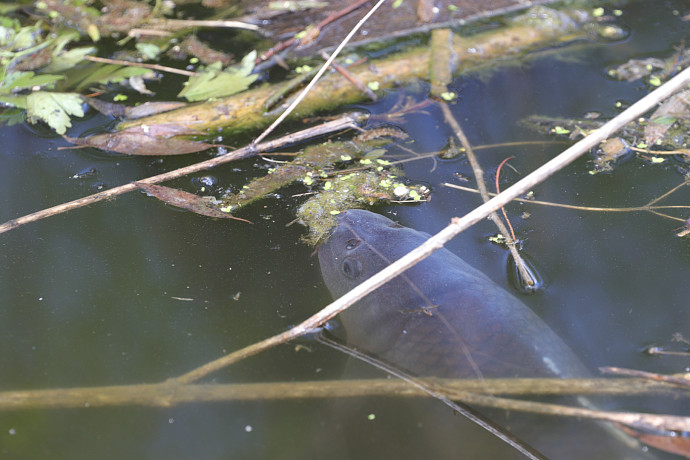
(130, 291)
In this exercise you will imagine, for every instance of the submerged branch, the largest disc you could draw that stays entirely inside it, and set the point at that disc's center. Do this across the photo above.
(245, 111)
(484, 193)
(169, 394)
(649, 207)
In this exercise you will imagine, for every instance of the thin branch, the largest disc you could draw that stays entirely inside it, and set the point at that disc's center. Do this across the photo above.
(425, 155)
(345, 122)
(351, 78)
(683, 382)
(456, 226)
(637, 420)
(168, 394)
(481, 185)
(659, 198)
(175, 24)
(323, 23)
(647, 207)
(318, 75)
(159, 67)
(460, 407)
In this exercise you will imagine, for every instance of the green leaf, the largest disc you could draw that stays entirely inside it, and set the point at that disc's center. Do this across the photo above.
(25, 38)
(103, 73)
(54, 108)
(20, 80)
(69, 59)
(216, 83)
(14, 101)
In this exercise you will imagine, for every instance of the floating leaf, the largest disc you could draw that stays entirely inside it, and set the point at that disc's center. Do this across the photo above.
(54, 108)
(675, 107)
(185, 200)
(145, 140)
(213, 82)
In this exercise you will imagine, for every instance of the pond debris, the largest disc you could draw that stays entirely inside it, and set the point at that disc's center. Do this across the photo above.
(684, 230)
(52, 48)
(664, 132)
(674, 442)
(673, 111)
(247, 111)
(356, 189)
(655, 70)
(341, 175)
(671, 141)
(200, 50)
(451, 151)
(202, 205)
(157, 140)
(609, 152)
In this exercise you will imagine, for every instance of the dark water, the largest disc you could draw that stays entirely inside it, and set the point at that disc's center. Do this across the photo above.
(131, 291)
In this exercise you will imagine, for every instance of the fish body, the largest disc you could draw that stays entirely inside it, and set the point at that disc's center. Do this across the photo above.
(445, 318)
(442, 317)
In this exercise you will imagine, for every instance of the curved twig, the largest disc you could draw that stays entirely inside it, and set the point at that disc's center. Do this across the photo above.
(649, 207)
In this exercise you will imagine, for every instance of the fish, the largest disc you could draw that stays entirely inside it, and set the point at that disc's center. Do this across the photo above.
(445, 318)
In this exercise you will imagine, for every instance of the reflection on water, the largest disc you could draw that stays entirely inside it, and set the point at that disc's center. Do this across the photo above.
(131, 291)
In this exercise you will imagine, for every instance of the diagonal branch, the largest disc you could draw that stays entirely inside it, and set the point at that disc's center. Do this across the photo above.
(346, 122)
(456, 226)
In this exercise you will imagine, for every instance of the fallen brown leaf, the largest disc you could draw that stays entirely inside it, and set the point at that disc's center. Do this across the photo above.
(676, 444)
(145, 140)
(185, 200)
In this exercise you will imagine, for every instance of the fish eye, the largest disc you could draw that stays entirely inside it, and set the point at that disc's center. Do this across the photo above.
(353, 243)
(352, 268)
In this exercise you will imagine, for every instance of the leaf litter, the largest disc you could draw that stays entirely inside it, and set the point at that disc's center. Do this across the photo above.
(203, 205)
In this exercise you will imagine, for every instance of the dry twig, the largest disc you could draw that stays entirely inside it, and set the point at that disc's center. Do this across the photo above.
(481, 185)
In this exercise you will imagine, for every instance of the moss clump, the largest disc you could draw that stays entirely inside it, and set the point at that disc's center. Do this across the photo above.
(356, 189)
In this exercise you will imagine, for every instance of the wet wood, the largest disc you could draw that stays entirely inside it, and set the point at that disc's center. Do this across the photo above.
(244, 112)
(167, 394)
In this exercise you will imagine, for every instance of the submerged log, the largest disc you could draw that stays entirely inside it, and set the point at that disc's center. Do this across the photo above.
(539, 28)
